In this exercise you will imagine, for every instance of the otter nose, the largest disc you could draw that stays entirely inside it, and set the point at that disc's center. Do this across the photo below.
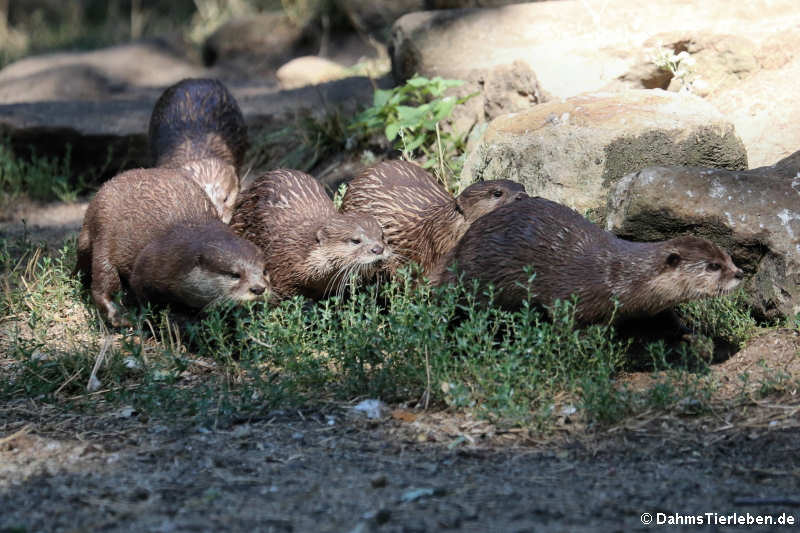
(258, 290)
(739, 274)
(377, 249)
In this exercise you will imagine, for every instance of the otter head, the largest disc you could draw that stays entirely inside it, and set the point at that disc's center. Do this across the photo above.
(485, 196)
(227, 268)
(691, 268)
(350, 240)
(219, 181)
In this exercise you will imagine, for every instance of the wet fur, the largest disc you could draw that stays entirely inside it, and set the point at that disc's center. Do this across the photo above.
(305, 241)
(128, 212)
(197, 119)
(420, 219)
(570, 255)
(199, 265)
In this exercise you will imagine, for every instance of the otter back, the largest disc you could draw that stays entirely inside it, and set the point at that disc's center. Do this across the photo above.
(542, 251)
(420, 219)
(128, 212)
(197, 119)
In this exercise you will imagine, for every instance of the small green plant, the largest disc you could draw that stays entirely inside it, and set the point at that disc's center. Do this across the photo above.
(726, 318)
(40, 178)
(311, 139)
(410, 116)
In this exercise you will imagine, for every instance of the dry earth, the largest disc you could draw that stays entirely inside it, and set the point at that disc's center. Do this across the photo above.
(328, 470)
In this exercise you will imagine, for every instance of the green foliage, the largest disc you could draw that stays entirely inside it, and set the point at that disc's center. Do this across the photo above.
(727, 318)
(40, 178)
(402, 342)
(311, 139)
(410, 116)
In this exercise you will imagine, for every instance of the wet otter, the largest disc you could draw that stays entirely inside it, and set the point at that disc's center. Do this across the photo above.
(197, 119)
(310, 248)
(420, 219)
(570, 255)
(219, 181)
(127, 213)
(199, 265)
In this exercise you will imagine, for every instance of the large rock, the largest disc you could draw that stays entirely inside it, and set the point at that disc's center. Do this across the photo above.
(255, 45)
(572, 151)
(108, 136)
(717, 62)
(573, 46)
(754, 214)
(765, 111)
(96, 74)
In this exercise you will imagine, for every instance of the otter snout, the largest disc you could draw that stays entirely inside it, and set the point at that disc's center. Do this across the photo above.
(258, 290)
(377, 249)
(739, 274)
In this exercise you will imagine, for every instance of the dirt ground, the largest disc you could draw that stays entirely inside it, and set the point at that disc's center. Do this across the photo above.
(328, 470)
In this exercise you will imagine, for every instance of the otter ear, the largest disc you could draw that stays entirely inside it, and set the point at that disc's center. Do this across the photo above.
(673, 259)
(320, 236)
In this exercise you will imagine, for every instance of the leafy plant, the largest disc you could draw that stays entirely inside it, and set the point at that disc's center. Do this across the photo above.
(410, 116)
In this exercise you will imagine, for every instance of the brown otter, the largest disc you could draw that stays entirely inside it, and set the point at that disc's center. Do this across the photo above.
(197, 119)
(127, 213)
(199, 265)
(569, 255)
(310, 248)
(219, 181)
(420, 219)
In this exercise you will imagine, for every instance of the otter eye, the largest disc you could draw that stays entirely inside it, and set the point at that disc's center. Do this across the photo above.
(713, 267)
(234, 275)
(497, 194)
(355, 241)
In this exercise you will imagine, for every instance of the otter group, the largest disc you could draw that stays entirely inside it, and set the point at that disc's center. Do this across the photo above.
(164, 231)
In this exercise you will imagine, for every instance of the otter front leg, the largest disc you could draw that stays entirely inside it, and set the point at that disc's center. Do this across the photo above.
(105, 282)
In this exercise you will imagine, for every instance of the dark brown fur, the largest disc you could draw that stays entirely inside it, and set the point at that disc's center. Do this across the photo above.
(310, 248)
(570, 255)
(197, 119)
(199, 265)
(128, 212)
(420, 219)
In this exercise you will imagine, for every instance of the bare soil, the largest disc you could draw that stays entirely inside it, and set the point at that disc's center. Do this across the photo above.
(411, 471)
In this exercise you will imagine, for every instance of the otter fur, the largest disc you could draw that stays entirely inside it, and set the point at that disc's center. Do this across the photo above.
(543, 251)
(128, 212)
(310, 248)
(420, 219)
(197, 119)
(199, 265)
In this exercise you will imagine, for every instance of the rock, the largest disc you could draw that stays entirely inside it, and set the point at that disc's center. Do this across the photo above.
(106, 137)
(374, 17)
(765, 110)
(717, 62)
(257, 44)
(68, 82)
(754, 214)
(497, 91)
(573, 46)
(572, 151)
(377, 16)
(309, 70)
(138, 64)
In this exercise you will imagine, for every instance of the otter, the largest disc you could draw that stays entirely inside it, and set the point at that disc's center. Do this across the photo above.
(199, 265)
(310, 248)
(219, 181)
(129, 212)
(197, 119)
(420, 219)
(566, 254)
